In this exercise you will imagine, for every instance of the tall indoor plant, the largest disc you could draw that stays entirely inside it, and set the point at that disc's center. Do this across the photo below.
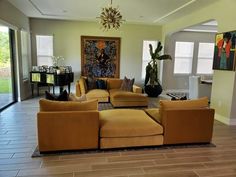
(151, 84)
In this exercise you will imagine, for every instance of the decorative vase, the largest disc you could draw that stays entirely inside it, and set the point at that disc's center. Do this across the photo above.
(153, 90)
(58, 71)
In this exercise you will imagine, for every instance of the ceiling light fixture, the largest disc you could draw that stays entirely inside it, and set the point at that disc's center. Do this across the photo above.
(110, 17)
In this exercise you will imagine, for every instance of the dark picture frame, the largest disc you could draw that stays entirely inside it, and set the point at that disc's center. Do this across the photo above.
(225, 53)
(100, 56)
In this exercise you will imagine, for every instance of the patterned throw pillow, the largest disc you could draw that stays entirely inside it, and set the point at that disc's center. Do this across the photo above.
(62, 97)
(101, 84)
(91, 83)
(127, 84)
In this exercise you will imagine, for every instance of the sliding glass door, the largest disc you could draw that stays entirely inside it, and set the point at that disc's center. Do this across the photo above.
(7, 88)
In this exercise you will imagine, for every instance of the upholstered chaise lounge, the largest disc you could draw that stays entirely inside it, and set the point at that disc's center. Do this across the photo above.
(113, 93)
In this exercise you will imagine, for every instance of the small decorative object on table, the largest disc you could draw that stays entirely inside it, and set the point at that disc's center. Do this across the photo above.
(56, 62)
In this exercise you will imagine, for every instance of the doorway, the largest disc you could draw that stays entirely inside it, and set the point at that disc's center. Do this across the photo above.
(7, 74)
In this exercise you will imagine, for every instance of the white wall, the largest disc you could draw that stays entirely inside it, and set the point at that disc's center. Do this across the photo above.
(173, 81)
(222, 97)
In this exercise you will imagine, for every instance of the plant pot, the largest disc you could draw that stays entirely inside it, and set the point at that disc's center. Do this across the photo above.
(153, 90)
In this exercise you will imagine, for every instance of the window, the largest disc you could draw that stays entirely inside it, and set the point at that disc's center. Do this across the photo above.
(44, 50)
(146, 55)
(25, 53)
(205, 58)
(183, 57)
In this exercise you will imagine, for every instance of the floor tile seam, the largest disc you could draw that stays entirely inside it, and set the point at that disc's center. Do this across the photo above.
(173, 171)
(77, 159)
(141, 166)
(218, 161)
(180, 163)
(17, 173)
(91, 170)
(218, 168)
(186, 163)
(194, 171)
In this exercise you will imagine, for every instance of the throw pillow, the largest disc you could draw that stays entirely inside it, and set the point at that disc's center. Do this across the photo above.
(91, 83)
(72, 97)
(127, 84)
(82, 85)
(101, 84)
(62, 97)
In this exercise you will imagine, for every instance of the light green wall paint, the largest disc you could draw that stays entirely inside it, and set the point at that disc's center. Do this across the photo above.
(222, 93)
(67, 42)
(223, 81)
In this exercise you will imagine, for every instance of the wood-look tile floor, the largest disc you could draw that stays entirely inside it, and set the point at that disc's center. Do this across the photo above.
(18, 140)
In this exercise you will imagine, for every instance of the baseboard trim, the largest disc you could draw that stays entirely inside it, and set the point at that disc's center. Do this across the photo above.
(233, 121)
(225, 120)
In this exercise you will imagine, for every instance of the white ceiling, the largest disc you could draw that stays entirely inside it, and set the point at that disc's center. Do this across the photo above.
(210, 26)
(133, 11)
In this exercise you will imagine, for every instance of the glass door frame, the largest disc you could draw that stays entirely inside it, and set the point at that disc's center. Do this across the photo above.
(12, 47)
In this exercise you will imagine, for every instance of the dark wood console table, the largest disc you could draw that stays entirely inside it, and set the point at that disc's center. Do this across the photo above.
(50, 79)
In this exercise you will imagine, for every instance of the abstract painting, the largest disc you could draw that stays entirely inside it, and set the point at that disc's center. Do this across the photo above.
(224, 53)
(100, 56)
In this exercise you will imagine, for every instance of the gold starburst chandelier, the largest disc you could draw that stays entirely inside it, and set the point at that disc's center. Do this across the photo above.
(110, 17)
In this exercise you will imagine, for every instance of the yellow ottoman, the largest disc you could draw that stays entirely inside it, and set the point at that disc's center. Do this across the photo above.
(127, 128)
(119, 98)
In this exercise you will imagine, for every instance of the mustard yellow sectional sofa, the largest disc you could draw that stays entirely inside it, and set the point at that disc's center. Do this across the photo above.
(113, 93)
(74, 125)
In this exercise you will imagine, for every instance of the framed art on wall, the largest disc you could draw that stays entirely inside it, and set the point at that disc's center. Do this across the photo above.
(225, 53)
(100, 56)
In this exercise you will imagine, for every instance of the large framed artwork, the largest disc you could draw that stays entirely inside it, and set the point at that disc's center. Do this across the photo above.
(225, 53)
(100, 56)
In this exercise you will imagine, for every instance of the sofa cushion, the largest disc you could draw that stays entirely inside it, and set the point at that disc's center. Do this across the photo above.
(48, 105)
(98, 94)
(82, 85)
(127, 84)
(154, 113)
(183, 104)
(91, 83)
(113, 83)
(73, 97)
(101, 84)
(120, 95)
(127, 123)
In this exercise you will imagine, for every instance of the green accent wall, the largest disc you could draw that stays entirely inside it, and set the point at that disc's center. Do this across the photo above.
(67, 42)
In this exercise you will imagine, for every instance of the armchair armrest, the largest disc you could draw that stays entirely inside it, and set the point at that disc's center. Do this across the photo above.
(188, 125)
(137, 89)
(67, 130)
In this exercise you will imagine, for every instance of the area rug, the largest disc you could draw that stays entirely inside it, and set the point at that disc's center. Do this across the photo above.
(106, 106)
(36, 152)
(177, 94)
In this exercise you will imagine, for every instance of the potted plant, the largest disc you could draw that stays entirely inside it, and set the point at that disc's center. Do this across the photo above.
(151, 85)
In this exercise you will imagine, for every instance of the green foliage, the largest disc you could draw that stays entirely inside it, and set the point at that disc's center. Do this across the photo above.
(152, 67)
(4, 48)
(5, 86)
